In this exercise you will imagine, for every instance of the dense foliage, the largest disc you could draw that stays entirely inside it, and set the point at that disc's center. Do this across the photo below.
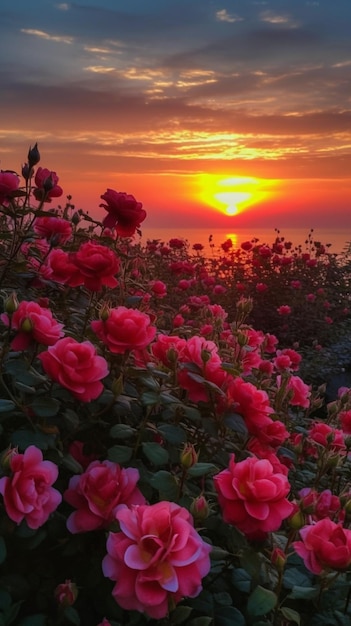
(163, 460)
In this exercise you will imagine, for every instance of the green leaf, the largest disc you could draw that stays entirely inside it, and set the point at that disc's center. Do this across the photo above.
(180, 614)
(19, 370)
(6, 405)
(39, 619)
(241, 580)
(175, 435)
(261, 601)
(72, 615)
(228, 616)
(290, 615)
(166, 484)
(200, 469)
(149, 398)
(121, 431)
(155, 453)
(119, 454)
(303, 593)
(235, 422)
(45, 407)
(296, 576)
(201, 621)
(25, 438)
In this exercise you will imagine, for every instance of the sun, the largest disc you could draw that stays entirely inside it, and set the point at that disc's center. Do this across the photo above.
(230, 195)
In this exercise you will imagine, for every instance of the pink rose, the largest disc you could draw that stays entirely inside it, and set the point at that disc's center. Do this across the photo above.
(157, 559)
(299, 392)
(104, 622)
(252, 495)
(54, 229)
(204, 354)
(63, 268)
(46, 185)
(327, 437)
(325, 545)
(28, 492)
(76, 367)
(9, 182)
(33, 323)
(251, 403)
(167, 349)
(125, 329)
(97, 265)
(124, 212)
(98, 493)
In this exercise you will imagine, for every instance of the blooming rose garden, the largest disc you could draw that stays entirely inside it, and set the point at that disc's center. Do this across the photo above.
(168, 451)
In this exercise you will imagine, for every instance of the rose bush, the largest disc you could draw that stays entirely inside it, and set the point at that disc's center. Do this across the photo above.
(164, 457)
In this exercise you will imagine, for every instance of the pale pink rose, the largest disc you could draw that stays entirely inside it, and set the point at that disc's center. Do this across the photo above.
(9, 182)
(75, 366)
(252, 495)
(55, 229)
(28, 493)
(202, 353)
(33, 323)
(97, 264)
(325, 545)
(157, 559)
(63, 268)
(98, 493)
(125, 329)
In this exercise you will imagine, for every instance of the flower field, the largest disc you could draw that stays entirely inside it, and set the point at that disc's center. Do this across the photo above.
(168, 452)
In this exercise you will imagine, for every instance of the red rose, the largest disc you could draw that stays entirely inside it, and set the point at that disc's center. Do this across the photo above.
(33, 323)
(55, 229)
(124, 212)
(252, 495)
(125, 329)
(9, 182)
(97, 265)
(76, 367)
(46, 185)
(99, 493)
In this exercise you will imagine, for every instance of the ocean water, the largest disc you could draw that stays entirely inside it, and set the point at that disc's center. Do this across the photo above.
(338, 238)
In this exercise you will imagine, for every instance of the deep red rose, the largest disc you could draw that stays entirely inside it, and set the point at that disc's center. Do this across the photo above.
(123, 212)
(46, 185)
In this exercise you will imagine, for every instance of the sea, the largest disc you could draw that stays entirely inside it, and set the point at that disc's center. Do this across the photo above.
(338, 240)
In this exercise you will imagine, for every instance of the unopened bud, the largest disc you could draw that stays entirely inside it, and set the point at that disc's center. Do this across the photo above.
(278, 558)
(188, 456)
(27, 171)
(66, 594)
(33, 155)
(48, 184)
(6, 457)
(75, 218)
(200, 508)
(205, 355)
(104, 312)
(297, 520)
(11, 303)
(27, 325)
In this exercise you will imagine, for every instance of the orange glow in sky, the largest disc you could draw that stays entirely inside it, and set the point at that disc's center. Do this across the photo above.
(231, 195)
(209, 116)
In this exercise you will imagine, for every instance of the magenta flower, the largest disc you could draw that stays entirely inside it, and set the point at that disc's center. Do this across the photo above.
(124, 212)
(324, 545)
(28, 492)
(157, 559)
(34, 324)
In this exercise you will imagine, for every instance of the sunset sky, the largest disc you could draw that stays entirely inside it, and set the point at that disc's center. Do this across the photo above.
(210, 112)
